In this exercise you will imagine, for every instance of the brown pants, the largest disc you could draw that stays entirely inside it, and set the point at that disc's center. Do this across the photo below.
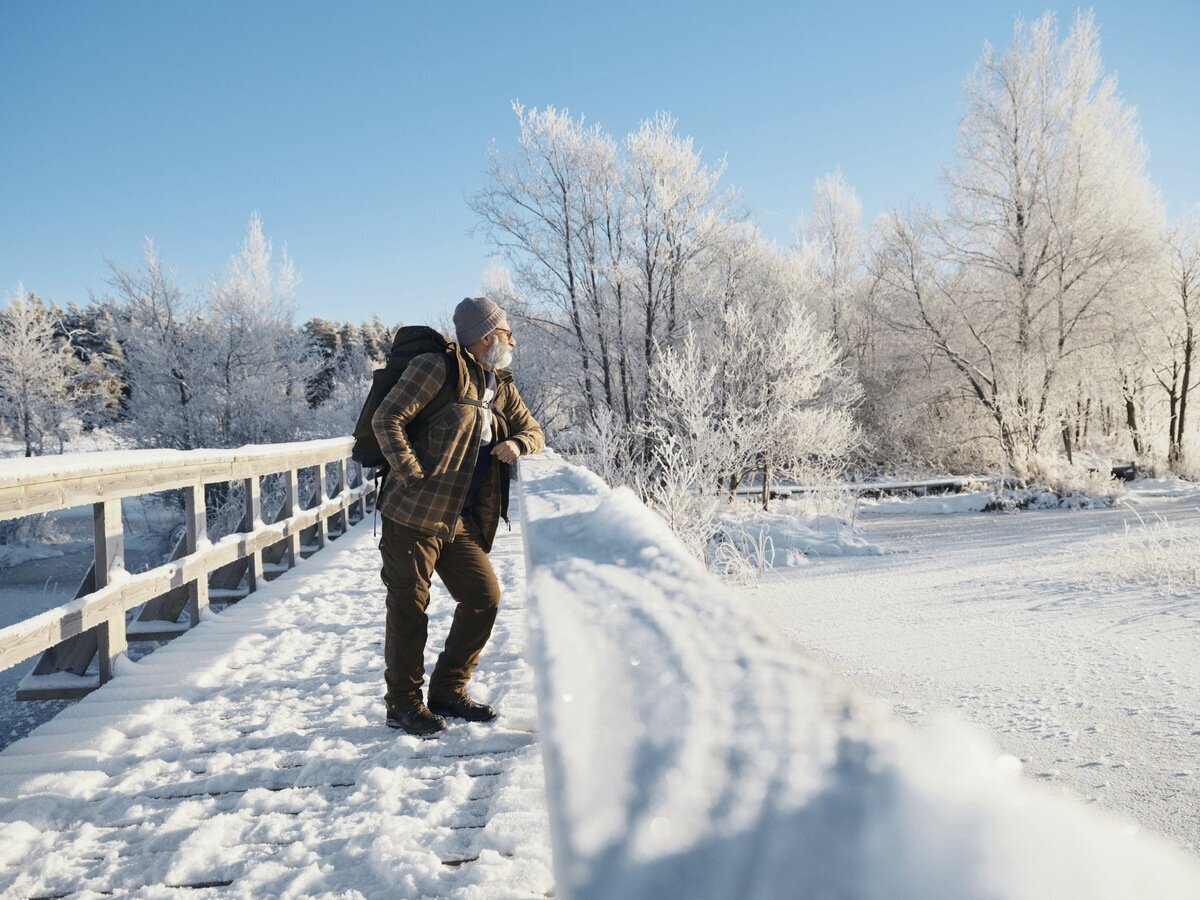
(409, 561)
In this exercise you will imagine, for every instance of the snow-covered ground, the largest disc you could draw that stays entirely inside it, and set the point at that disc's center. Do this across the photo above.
(1033, 626)
(692, 751)
(250, 758)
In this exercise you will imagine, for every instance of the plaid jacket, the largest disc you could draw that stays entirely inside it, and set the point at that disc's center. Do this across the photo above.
(430, 474)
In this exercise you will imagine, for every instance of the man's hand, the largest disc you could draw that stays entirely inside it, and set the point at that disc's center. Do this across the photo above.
(506, 451)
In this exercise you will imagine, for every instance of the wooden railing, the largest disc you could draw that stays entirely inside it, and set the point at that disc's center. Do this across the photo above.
(70, 636)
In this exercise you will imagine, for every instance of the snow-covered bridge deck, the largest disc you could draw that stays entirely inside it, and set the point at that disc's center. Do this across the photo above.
(249, 758)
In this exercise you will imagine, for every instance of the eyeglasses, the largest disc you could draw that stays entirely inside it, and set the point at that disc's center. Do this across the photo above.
(504, 332)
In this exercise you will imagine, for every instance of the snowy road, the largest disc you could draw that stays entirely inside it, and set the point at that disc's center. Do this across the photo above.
(250, 758)
(996, 616)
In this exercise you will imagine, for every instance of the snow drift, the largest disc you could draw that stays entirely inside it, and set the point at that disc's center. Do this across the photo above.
(692, 751)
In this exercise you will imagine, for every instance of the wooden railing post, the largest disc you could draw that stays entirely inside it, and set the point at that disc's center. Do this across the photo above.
(322, 496)
(196, 515)
(291, 506)
(110, 560)
(360, 481)
(344, 492)
(254, 562)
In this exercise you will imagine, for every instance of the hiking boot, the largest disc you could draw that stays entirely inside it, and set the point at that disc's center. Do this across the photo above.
(460, 706)
(416, 720)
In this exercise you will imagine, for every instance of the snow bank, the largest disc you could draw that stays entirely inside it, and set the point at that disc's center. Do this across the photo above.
(15, 555)
(936, 505)
(782, 540)
(691, 751)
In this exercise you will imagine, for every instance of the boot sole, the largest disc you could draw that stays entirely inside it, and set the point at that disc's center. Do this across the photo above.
(449, 714)
(421, 734)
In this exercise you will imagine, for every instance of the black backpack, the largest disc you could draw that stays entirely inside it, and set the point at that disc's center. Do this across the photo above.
(410, 341)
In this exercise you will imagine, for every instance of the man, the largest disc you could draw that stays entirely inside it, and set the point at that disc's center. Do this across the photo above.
(441, 504)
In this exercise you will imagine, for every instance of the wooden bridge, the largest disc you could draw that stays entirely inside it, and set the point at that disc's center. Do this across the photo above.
(248, 756)
(676, 746)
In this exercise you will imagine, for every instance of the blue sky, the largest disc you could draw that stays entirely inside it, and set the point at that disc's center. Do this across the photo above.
(357, 129)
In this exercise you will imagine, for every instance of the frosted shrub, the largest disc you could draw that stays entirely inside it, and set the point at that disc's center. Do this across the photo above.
(1155, 553)
(825, 496)
(26, 530)
(1068, 481)
(1057, 485)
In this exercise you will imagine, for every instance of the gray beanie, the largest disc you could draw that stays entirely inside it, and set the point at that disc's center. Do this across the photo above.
(475, 318)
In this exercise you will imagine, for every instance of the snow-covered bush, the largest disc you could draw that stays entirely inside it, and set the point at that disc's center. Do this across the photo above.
(26, 530)
(1059, 486)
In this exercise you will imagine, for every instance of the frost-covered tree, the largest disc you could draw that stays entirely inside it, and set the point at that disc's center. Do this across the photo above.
(1176, 320)
(101, 382)
(770, 398)
(223, 370)
(170, 358)
(675, 214)
(325, 345)
(603, 240)
(541, 208)
(261, 360)
(1051, 217)
(37, 371)
(831, 245)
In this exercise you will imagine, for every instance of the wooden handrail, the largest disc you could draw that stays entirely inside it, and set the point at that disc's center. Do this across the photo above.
(47, 484)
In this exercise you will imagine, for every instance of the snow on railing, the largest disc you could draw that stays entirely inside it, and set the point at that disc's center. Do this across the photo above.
(693, 751)
(94, 622)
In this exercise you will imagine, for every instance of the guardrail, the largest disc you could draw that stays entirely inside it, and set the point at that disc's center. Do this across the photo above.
(692, 750)
(70, 636)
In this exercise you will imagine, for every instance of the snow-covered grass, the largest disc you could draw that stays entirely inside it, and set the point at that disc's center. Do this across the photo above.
(1048, 629)
(1157, 552)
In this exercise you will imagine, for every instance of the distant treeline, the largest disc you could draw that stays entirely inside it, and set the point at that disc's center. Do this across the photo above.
(220, 368)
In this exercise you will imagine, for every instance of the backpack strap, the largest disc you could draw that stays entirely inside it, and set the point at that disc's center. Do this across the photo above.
(453, 391)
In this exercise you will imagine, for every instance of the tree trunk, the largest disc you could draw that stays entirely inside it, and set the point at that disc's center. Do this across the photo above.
(1131, 422)
(1185, 388)
(766, 487)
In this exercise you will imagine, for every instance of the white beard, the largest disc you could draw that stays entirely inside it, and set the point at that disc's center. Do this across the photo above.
(499, 355)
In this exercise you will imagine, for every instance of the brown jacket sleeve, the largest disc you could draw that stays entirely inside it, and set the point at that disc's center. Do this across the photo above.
(523, 427)
(419, 383)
